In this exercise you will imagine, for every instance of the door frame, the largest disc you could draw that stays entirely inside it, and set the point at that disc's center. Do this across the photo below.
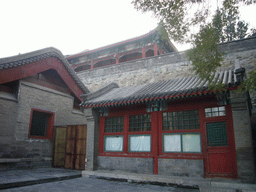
(228, 119)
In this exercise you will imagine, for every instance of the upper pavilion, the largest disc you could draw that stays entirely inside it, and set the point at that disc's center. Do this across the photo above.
(154, 43)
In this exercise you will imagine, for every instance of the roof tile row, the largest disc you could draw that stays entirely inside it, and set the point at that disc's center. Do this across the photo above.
(175, 88)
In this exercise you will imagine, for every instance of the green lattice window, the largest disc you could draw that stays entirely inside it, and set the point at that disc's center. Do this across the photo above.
(181, 120)
(114, 124)
(217, 134)
(215, 112)
(140, 123)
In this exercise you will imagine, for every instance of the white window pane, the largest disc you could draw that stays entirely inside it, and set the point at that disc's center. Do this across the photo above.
(172, 143)
(114, 143)
(214, 109)
(208, 114)
(140, 143)
(207, 110)
(222, 108)
(222, 113)
(191, 143)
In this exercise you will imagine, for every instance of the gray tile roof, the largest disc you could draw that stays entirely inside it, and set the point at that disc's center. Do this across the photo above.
(31, 57)
(170, 89)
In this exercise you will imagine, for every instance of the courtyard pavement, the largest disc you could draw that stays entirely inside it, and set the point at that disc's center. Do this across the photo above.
(95, 185)
(58, 179)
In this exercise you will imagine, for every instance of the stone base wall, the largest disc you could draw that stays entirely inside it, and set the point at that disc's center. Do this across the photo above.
(181, 167)
(128, 164)
(26, 163)
(169, 167)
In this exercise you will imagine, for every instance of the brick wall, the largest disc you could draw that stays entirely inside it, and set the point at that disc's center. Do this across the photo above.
(16, 125)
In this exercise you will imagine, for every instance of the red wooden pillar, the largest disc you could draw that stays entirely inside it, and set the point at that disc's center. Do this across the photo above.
(155, 137)
(101, 137)
(117, 58)
(92, 63)
(126, 132)
(155, 49)
(143, 52)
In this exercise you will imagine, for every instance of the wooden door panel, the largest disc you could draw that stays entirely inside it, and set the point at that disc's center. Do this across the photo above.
(219, 156)
(220, 163)
(59, 147)
(76, 147)
(80, 162)
(81, 147)
(81, 132)
(69, 161)
(59, 160)
(70, 147)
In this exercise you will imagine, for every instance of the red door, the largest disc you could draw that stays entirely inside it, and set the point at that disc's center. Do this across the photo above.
(220, 160)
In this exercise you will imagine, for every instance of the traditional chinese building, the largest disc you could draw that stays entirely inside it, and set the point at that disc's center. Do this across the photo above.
(178, 127)
(154, 43)
(39, 112)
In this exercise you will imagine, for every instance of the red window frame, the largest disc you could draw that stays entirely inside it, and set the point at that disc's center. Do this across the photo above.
(181, 155)
(125, 134)
(50, 123)
(157, 130)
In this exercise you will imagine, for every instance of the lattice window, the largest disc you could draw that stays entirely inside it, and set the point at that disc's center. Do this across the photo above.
(181, 120)
(217, 134)
(215, 111)
(140, 123)
(114, 124)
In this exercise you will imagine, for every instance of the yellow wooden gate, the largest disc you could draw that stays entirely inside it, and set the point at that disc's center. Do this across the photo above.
(74, 154)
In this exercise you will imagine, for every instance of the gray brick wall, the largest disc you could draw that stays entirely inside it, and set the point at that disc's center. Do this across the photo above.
(128, 164)
(243, 137)
(8, 108)
(181, 167)
(15, 122)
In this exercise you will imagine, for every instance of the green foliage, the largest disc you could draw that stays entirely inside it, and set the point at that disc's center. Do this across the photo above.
(206, 56)
(173, 15)
(180, 19)
(250, 83)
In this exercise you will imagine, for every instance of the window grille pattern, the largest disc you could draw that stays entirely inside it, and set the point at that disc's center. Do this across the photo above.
(114, 124)
(217, 134)
(215, 111)
(181, 120)
(140, 123)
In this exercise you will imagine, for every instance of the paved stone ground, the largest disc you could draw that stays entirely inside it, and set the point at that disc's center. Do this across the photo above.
(94, 185)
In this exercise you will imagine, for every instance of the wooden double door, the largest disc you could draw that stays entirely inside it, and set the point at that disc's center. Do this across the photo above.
(70, 147)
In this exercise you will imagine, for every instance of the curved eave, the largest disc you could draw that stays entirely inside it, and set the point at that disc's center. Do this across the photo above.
(25, 65)
(125, 102)
(113, 45)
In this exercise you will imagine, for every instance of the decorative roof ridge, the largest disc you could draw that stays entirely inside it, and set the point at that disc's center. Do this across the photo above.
(114, 44)
(30, 57)
(99, 92)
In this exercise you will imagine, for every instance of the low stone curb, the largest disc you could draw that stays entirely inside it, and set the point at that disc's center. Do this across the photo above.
(36, 181)
(204, 185)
